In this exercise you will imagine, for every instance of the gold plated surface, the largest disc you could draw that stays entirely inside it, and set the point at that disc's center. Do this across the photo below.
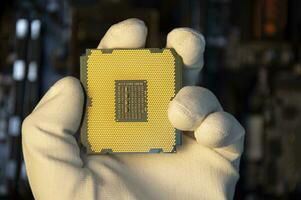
(160, 70)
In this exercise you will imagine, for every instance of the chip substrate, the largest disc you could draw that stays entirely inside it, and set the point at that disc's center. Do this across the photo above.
(128, 93)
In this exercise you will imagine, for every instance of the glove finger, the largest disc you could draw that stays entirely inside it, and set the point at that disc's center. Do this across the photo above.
(191, 106)
(130, 33)
(190, 45)
(221, 131)
(66, 94)
(50, 150)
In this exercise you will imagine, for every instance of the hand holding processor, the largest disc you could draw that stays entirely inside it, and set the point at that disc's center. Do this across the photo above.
(205, 166)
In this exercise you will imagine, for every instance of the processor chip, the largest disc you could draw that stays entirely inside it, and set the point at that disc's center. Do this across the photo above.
(128, 92)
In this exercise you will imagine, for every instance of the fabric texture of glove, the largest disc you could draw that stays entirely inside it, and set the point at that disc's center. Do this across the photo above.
(206, 166)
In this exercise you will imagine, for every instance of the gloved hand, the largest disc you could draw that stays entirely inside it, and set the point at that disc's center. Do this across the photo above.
(204, 167)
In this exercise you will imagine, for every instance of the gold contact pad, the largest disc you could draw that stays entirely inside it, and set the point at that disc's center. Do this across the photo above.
(103, 132)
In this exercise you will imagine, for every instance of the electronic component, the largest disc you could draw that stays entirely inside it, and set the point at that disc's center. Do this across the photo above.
(128, 93)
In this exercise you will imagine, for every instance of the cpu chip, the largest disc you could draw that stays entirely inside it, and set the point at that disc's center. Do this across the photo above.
(128, 92)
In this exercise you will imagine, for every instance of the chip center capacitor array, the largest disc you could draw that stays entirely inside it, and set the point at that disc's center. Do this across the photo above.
(130, 100)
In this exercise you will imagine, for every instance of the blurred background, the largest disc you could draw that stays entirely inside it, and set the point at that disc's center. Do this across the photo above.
(252, 63)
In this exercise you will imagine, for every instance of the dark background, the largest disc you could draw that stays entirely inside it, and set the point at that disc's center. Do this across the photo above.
(252, 63)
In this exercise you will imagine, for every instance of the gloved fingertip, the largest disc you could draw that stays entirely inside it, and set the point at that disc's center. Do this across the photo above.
(66, 86)
(180, 117)
(189, 44)
(130, 33)
(219, 129)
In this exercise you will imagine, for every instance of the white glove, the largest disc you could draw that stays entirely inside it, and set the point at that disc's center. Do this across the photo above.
(204, 167)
